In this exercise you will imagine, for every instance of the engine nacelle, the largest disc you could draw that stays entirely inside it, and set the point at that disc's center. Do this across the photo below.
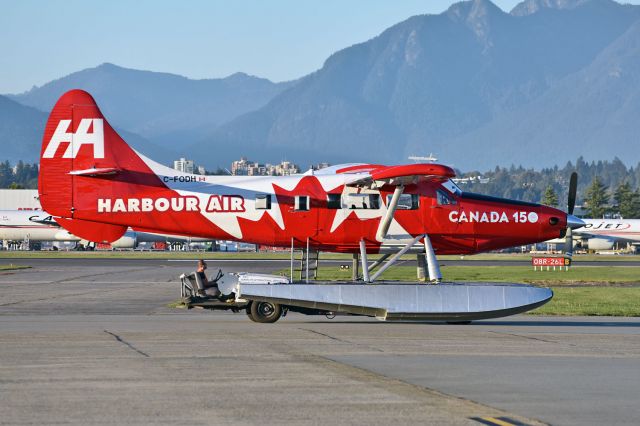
(128, 241)
(600, 244)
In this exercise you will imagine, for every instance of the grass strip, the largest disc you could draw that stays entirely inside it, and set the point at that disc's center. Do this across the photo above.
(131, 254)
(593, 301)
(584, 291)
(587, 275)
(12, 267)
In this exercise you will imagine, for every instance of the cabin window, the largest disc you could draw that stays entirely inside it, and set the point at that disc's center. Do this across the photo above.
(406, 201)
(361, 201)
(334, 201)
(263, 201)
(444, 199)
(301, 203)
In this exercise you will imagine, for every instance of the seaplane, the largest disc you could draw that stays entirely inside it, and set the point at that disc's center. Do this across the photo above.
(96, 186)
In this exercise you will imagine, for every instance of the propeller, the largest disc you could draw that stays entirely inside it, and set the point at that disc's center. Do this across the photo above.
(573, 189)
(572, 221)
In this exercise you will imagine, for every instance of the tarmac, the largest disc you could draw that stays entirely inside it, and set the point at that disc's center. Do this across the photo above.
(85, 342)
(279, 264)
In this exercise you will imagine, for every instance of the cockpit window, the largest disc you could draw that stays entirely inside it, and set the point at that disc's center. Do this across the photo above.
(444, 199)
(450, 186)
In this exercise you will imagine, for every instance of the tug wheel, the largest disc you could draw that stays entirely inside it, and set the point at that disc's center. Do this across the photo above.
(264, 312)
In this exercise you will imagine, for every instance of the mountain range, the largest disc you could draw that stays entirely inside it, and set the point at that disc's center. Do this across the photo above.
(21, 129)
(166, 109)
(476, 86)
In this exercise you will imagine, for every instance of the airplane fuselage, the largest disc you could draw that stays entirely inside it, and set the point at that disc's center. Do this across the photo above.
(329, 212)
(616, 229)
(18, 225)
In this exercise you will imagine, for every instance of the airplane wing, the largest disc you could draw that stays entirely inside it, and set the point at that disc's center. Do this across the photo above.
(403, 175)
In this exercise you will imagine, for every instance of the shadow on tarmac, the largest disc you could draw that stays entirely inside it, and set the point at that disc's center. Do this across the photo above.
(635, 323)
(632, 323)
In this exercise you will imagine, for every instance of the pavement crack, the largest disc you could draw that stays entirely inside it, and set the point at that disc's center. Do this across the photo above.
(62, 296)
(120, 271)
(530, 338)
(522, 337)
(425, 396)
(127, 344)
(337, 339)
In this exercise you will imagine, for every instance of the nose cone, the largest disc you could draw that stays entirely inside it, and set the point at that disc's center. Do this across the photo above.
(574, 222)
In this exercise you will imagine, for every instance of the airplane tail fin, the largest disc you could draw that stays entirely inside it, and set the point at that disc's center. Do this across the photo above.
(82, 159)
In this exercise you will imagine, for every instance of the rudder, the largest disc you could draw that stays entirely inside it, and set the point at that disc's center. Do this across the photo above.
(78, 140)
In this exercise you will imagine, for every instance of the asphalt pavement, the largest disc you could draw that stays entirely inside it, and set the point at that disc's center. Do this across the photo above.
(94, 342)
(266, 264)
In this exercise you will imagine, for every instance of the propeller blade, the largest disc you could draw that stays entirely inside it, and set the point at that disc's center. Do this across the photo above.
(568, 243)
(573, 189)
(572, 222)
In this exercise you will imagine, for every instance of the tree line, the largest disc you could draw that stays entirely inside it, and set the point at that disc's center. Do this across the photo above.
(604, 187)
(22, 176)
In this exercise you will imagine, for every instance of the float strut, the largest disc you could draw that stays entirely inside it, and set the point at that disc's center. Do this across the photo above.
(363, 258)
(378, 262)
(355, 269)
(291, 259)
(395, 257)
(435, 275)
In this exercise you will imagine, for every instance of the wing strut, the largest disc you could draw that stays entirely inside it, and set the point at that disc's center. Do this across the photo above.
(391, 210)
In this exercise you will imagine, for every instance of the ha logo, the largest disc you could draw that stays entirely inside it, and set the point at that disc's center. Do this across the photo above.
(77, 139)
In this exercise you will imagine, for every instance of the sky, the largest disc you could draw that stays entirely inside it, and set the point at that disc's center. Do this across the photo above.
(276, 39)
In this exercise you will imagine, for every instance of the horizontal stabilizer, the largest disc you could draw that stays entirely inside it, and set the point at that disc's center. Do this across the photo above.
(94, 171)
(92, 231)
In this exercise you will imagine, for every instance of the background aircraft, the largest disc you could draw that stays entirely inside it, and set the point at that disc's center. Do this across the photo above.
(40, 226)
(25, 225)
(603, 234)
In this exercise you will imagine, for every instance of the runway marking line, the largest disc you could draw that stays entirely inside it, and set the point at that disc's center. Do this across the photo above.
(498, 421)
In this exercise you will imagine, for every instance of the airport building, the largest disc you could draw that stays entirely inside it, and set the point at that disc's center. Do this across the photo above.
(184, 165)
(19, 199)
(244, 167)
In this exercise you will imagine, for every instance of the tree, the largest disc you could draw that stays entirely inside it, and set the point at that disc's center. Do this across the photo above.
(550, 198)
(6, 174)
(627, 200)
(596, 198)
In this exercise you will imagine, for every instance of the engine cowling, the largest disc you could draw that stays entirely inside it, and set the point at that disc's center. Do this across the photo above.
(128, 241)
(600, 244)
